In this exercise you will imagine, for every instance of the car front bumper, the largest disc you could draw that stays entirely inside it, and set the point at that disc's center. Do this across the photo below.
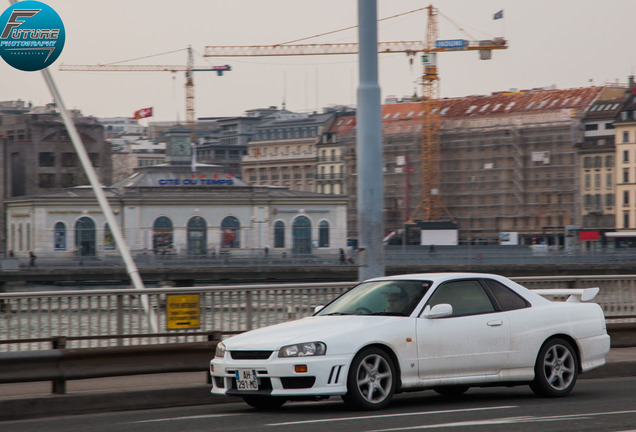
(325, 376)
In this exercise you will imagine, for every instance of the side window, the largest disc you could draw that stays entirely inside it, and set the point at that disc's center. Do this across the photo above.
(467, 297)
(507, 299)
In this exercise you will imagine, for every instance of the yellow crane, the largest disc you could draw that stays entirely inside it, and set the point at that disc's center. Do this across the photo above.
(431, 204)
(188, 68)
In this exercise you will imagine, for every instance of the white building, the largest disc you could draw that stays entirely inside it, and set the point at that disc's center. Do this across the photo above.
(171, 209)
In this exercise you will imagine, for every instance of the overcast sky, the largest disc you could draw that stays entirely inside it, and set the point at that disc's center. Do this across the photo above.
(562, 43)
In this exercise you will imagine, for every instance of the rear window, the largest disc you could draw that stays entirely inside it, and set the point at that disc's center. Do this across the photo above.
(507, 298)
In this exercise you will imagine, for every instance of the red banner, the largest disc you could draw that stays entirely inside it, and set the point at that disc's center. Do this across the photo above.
(589, 235)
(143, 113)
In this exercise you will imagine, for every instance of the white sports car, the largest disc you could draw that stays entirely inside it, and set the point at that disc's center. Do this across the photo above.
(440, 331)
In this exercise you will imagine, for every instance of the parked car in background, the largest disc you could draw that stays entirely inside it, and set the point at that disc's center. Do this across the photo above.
(441, 331)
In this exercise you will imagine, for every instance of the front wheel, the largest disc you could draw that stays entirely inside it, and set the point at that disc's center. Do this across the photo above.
(264, 402)
(371, 381)
(556, 369)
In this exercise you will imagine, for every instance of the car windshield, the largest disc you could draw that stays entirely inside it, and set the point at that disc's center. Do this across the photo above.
(397, 298)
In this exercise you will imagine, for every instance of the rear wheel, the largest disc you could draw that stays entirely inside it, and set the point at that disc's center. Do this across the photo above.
(264, 402)
(556, 369)
(371, 381)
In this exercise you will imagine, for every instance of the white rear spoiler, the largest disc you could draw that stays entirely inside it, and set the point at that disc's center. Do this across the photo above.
(575, 295)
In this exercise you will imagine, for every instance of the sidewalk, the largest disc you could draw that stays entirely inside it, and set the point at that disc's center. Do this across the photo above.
(28, 400)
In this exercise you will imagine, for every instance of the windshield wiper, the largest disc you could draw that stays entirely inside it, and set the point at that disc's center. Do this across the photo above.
(336, 313)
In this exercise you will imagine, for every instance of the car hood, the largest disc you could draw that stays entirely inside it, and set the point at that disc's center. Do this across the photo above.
(311, 329)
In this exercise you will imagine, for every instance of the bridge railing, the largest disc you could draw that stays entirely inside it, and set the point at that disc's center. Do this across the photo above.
(85, 318)
(116, 317)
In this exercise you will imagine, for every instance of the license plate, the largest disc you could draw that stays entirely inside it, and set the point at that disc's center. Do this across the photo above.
(246, 379)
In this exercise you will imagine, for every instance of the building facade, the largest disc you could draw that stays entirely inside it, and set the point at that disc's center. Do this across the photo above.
(37, 155)
(118, 126)
(509, 163)
(331, 152)
(283, 150)
(625, 176)
(598, 169)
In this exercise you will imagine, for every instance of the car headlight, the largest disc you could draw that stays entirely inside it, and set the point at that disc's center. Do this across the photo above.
(220, 350)
(303, 350)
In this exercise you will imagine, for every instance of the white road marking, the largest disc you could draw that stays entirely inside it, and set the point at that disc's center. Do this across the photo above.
(508, 420)
(327, 420)
(184, 418)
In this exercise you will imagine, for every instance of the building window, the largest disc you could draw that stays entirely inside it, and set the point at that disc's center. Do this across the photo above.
(609, 180)
(625, 155)
(625, 136)
(109, 239)
(69, 160)
(67, 180)
(609, 200)
(230, 232)
(197, 236)
(59, 236)
(588, 181)
(47, 159)
(597, 181)
(279, 234)
(85, 237)
(94, 157)
(323, 234)
(625, 198)
(162, 235)
(626, 219)
(609, 161)
(46, 181)
(625, 175)
(301, 235)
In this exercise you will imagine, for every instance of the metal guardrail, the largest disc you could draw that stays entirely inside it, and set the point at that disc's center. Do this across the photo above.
(60, 364)
(115, 317)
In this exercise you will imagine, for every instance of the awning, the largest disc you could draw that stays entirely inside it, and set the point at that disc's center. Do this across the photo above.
(589, 235)
(621, 234)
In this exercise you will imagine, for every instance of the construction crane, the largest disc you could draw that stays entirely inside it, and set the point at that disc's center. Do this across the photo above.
(188, 68)
(431, 204)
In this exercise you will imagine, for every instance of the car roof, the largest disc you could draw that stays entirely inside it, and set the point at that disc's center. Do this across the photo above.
(437, 277)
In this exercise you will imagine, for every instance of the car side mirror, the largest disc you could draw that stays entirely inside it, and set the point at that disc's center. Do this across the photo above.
(441, 310)
(318, 308)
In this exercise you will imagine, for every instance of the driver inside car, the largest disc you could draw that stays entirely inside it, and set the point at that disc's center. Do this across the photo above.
(396, 301)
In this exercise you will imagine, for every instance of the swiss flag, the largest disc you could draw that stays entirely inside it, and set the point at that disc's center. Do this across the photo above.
(143, 113)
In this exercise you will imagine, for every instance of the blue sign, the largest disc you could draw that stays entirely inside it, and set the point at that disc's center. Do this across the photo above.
(31, 35)
(450, 43)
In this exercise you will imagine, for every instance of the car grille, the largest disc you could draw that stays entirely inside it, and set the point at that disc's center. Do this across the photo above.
(250, 355)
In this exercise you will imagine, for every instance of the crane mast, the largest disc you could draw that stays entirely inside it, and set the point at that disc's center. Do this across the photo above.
(431, 205)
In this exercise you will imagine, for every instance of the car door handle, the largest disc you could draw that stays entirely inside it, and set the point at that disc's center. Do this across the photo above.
(496, 323)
